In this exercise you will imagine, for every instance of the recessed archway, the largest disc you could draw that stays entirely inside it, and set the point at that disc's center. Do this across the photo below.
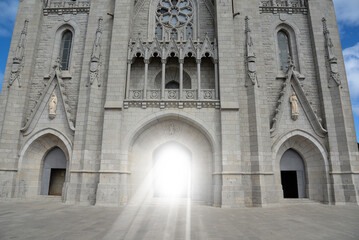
(32, 163)
(168, 137)
(314, 160)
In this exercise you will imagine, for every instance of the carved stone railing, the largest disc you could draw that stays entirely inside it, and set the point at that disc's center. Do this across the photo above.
(136, 94)
(171, 98)
(283, 6)
(208, 94)
(66, 7)
(171, 94)
(154, 94)
(190, 94)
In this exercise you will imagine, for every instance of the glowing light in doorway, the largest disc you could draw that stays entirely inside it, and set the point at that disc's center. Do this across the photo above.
(172, 172)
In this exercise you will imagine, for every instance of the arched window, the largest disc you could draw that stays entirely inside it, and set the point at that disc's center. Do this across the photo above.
(189, 31)
(174, 34)
(65, 50)
(172, 85)
(159, 32)
(284, 50)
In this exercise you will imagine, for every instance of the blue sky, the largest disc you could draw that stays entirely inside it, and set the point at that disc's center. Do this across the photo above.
(347, 15)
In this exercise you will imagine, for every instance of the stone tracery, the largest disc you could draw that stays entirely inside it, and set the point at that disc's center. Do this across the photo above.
(174, 18)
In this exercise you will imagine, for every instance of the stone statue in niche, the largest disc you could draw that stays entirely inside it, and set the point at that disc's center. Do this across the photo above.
(251, 57)
(294, 104)
(18, 60)
(52, 106)
(96, 56)
(332, 59)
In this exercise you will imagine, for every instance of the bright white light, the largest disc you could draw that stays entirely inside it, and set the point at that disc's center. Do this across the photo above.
(172, 172)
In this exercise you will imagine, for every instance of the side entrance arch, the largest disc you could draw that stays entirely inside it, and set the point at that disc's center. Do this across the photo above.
(44, 165)
(301, 167)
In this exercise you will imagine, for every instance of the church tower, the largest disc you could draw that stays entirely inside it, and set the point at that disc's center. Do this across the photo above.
(231, 103)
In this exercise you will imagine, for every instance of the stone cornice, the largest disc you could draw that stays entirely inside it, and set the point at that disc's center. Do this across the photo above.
(287, 6)
(66, 7)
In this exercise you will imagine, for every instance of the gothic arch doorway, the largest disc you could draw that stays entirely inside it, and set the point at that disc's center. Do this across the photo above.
(172, 141)
(293, 174)
(53, 172)
(172, 171)
(48, 149)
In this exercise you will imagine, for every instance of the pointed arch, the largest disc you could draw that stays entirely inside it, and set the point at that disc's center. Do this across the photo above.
(315, 159)
(293, 34)
(58, 33)
(147, 122)
(65, 49)
(32, 156)
(160, 129)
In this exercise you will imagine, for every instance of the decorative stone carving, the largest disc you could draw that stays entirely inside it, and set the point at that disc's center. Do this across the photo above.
(174, 19)
(54, 79)
(18, 60)
(294, 105)
(251, 58)
(52, 106)
(164, 49)
(283, 6)
(332, 59)
(66, 7)
(172, 128)
(95, 63)
(293, 82)
(172, 104)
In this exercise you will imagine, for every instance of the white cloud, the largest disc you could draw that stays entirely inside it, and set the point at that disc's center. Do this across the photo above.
(7, 16)
(351, 59)
(347, 11)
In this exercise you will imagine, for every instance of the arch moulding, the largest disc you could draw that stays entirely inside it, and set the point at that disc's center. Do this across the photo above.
(66, 141)
(157, 117)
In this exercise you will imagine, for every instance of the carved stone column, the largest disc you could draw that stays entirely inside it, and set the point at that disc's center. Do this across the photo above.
(181, 61)
(147, 61)
(164, 61)
(198, 61)
(129, 63)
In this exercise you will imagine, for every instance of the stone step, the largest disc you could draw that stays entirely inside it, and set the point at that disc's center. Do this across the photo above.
(291, 201)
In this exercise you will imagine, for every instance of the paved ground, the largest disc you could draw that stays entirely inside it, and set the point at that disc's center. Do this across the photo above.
(157, 221)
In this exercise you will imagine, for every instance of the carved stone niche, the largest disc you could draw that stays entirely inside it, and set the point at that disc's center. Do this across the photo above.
(294, 106)
(52, 106)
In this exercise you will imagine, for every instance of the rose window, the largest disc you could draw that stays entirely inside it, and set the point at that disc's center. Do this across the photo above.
(174, 18)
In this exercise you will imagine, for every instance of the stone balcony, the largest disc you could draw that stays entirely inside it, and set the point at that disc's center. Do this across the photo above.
(172, 98)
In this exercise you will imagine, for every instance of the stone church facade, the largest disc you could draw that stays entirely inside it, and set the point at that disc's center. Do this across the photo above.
(254, 91)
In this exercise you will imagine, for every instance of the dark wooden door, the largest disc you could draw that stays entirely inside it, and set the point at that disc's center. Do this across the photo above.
(289, 184)
(57, 180)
